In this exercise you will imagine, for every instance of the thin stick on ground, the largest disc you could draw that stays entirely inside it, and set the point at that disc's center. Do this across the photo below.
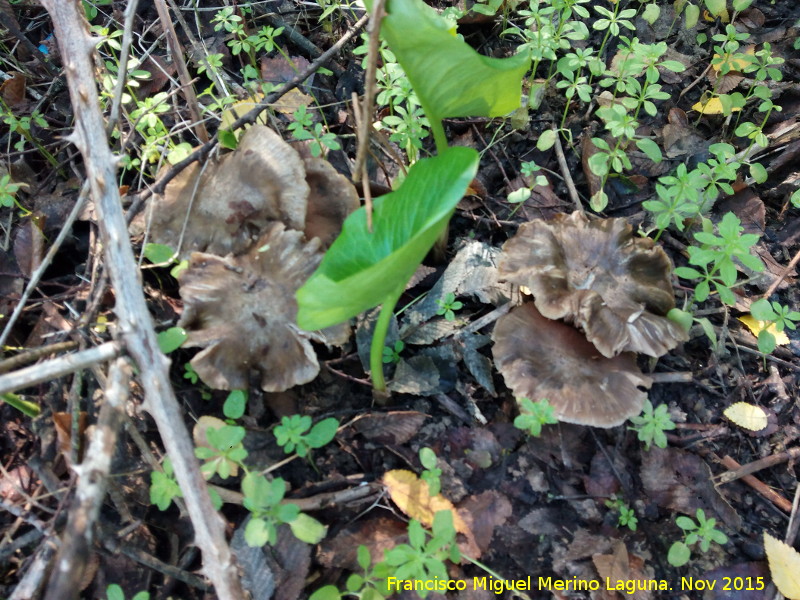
(562, 164)
(58, 367)
(759, 486)
(36, 276)
(134, 321)
(365, 122)
(35, 354)
(774, 285)
(183, 72)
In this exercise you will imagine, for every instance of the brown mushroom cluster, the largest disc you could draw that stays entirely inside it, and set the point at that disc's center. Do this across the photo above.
(254, 225)
(600, 295)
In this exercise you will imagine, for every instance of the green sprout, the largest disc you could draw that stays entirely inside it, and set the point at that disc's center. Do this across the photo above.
(533, 415)
(295, 434)
(651, 425)
(703, 532)
(448, 306)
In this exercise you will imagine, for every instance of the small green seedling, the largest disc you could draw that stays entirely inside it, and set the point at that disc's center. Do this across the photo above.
(448, 306)
(774, 313)
(432, 473)
(716, 258)
(226, 451)
(163, 486)
(651, 425)
(703, 532)
(304, 128)
(391, 354)
(533, 415)
(235, 404)
(423, 558)
(291, 434)
(171, 339)
(162, 255)
(263, 498)
(114, 591)
(8, 191)
(627, 517)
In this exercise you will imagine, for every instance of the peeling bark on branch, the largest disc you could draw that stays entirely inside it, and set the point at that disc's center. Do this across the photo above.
(135, 323)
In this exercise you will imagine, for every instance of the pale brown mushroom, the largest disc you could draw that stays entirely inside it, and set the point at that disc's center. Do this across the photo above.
(599, 276)
(331, 200)
(242, 311)
(544, 359)
(222, 206)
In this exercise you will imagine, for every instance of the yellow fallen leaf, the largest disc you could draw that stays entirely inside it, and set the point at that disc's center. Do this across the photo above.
(241, 108)
(711, 107)
(757, 327)
(736, 61)
(291, 101)
(723, 16)
(746, 415)
(784, 565)
(412, 495)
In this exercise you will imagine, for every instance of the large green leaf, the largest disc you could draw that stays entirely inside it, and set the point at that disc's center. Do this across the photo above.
(362, 268)
(449, 77)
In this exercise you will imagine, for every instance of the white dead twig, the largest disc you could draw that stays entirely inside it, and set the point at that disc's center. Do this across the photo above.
(135, 323)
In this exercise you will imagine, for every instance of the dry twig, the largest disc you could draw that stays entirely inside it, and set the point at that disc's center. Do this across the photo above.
(135, 323)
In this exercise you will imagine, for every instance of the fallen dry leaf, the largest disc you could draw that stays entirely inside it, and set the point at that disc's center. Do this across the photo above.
(412, 495)
(681, 481)
(784, 565)
(755, 326)
(712, 106)
(746, 415)
(624, 574)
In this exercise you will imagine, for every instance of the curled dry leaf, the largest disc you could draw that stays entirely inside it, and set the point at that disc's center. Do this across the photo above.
(412, 495)
(242, 311)
(540, 358)
(597, 275)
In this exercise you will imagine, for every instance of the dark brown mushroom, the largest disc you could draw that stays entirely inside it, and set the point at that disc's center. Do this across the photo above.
(599, 276)
(544, 359)
(222, 206)
(242, 311)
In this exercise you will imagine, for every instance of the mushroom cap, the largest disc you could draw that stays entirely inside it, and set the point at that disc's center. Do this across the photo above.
(225, 204)
(331, 199)
(242, 311)
(540, 358)
(596, 274)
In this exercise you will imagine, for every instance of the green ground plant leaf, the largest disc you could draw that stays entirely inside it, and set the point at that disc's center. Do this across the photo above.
(449, 77)
(363, 269)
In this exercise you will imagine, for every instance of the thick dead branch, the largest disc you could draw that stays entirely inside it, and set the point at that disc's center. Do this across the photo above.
(76, 544)
(135, 323)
